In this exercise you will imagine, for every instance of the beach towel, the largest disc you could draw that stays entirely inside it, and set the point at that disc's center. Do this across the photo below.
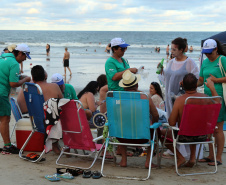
(52, 109)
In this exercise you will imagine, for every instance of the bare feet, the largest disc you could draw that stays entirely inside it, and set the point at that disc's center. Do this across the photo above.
(123, 163)
(68, 150)
(152, 165)
(189, 164)
(55, 147)
(180, 162)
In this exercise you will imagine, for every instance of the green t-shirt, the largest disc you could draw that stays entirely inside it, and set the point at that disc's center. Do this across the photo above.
(69, 92)
(112, 66)
(213, 68)
(9, 72)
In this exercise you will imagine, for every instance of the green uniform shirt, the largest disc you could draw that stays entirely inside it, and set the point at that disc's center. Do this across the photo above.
(213, 68)
(69, 92)
(113, 66)
(9, 72)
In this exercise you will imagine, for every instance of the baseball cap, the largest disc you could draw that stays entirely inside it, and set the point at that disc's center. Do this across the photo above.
(57, 78)
(119, 42)
(209, 45)
(24, 48)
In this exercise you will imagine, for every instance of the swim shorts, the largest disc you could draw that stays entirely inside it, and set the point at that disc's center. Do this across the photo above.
(66, 63)
(188, 139)
(47, 50)
(167, 53)
(5, 108)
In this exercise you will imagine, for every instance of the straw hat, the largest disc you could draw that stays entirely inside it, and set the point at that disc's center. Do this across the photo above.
(129, 79)
(11, 47)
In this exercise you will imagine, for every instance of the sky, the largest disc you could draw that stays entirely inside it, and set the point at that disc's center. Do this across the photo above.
(113, 15)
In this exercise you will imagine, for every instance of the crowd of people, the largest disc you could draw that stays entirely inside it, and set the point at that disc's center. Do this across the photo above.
(181, 70)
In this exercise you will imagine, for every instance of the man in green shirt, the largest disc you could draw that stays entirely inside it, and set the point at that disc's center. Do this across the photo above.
(67, 89)
(9, 75)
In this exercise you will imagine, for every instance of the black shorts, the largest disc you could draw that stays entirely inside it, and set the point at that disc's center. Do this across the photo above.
(47, 50)
(188, 139)
(66, 63)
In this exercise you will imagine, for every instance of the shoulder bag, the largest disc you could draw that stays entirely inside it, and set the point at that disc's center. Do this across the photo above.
(223, 84)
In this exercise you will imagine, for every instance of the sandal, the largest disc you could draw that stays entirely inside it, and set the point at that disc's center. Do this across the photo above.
(65, 176)
(87, 174)
(205, 160)
(96, 175)
(52, 178)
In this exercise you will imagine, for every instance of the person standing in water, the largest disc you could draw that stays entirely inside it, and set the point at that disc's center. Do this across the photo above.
(66, 61)
(47, 49)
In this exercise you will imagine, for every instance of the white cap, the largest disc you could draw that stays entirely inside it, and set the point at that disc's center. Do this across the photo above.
(23, 48)
(57, 78)
(209, 45)
(119, 42)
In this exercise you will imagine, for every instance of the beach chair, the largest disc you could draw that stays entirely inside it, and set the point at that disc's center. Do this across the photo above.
(77, 134)
(197, 120)
(129, 118)
(16, 113)
(34, 101)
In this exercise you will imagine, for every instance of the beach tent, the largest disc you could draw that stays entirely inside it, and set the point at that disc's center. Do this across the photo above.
(221, 37)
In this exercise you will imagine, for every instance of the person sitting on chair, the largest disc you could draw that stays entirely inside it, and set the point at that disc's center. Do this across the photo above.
(129, 84)
(49, 90)
(190, 87)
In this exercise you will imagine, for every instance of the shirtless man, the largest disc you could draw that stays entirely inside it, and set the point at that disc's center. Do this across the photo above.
(167, 51)
(191, 49)
(66, 62)
(49, 90)
(190, 87)
(153, 111)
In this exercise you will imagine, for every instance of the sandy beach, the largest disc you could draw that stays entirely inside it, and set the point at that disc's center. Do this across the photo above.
(14, 170)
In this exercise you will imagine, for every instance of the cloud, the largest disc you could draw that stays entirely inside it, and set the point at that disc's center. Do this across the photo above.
(112, 15)
(32, 11)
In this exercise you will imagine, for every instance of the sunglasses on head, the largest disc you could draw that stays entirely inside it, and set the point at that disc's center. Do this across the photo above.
(123, 49)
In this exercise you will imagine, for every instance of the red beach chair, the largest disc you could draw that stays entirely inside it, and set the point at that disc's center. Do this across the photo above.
(197, 120)
(77, 134)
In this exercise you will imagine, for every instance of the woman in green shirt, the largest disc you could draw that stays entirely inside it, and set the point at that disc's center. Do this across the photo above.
(210, 69)
(116, 65)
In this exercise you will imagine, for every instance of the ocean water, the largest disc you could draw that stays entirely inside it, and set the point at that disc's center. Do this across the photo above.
(87, 51)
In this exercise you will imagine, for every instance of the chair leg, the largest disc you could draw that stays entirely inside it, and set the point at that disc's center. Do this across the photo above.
(103, 159)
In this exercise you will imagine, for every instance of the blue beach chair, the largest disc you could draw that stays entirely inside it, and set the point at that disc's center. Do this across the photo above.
(129, 118)
(34, 101)
(16, 113)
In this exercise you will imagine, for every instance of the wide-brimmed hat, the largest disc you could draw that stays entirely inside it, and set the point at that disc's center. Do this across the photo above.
(11, 47)
(57, 78)
(129, 79)
(209, 45)
(119, 42)
(24, 48)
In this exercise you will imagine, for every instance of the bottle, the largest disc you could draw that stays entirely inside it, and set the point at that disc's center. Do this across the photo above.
(159, 69)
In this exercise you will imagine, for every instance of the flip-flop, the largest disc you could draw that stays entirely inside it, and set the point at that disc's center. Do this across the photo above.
(205, 160)
(28, 155)
(96, 175)
(87, 174)
(52, 178)
(65, 176)
(213, 163)
(35, 157)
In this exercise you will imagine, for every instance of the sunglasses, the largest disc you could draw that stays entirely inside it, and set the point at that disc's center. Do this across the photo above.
(123, 49)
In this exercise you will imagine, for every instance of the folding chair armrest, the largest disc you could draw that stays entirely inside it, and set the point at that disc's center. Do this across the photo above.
(98, 138)
(174, 128)
(155, 125)
(165, 125)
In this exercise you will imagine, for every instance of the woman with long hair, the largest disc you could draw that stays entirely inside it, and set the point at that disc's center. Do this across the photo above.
(156, 95)
(86, 97)
(211, 69)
